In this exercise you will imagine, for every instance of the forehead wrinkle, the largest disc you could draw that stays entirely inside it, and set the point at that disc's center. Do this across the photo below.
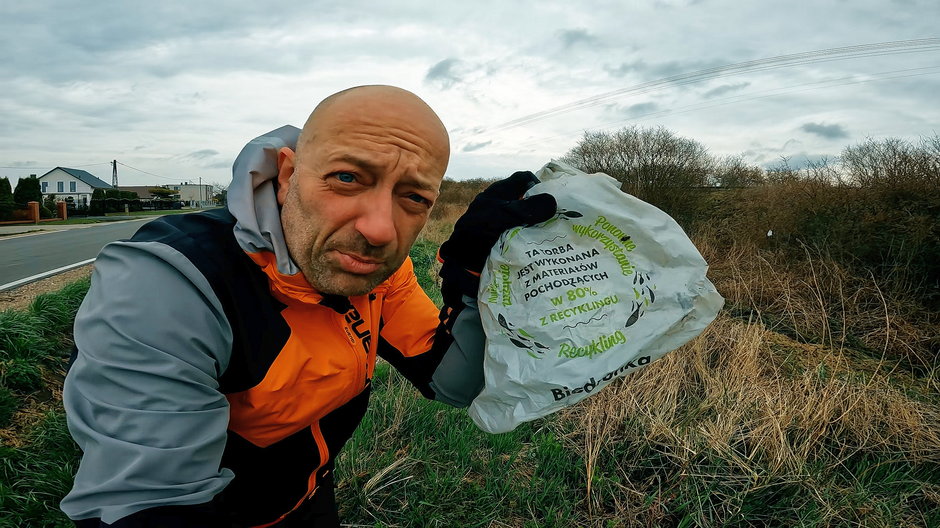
(381, 142)
(411, 141)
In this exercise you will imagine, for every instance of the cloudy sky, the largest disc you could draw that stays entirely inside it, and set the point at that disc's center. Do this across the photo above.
(176, 88)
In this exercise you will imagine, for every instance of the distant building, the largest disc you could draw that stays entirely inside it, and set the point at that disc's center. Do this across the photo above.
(143, 191)
(193, 194)
(67, 183)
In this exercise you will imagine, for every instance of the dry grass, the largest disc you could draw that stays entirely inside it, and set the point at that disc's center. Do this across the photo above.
(815, 299)
(725, 409)
(451, 204)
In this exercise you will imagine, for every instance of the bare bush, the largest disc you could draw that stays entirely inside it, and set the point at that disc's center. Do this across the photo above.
(653, 164)
(894, 163)
(733, 172)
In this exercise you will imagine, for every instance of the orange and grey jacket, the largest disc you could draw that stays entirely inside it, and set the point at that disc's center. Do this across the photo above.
(208, 372)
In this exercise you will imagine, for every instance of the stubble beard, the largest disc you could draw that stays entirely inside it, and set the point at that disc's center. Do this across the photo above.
(321, 272)
(325, 277)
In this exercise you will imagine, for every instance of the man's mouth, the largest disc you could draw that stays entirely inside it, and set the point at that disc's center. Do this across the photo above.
(357, 264)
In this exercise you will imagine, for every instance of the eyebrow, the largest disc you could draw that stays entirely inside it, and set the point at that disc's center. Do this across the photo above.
(374, 168)
(359, 162)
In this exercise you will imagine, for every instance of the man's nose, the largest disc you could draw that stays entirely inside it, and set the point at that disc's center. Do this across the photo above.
(376, 220)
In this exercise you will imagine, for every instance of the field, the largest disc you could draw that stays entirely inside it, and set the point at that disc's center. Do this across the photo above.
(811, 401)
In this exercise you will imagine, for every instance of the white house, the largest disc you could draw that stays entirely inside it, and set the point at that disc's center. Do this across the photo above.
(67, 183)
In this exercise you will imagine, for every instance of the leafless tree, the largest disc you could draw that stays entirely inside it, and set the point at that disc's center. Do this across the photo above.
(894, 163)
(653, 164)
(733, 172)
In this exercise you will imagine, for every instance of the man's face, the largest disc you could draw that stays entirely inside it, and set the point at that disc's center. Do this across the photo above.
(363, 184)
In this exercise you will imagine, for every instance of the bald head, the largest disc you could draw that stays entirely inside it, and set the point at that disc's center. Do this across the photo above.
(382, 105)
(360, 186)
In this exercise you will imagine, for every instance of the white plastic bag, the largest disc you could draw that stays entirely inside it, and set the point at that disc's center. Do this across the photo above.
(607, 286)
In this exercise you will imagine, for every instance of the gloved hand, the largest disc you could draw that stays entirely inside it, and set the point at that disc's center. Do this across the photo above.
(498, 208)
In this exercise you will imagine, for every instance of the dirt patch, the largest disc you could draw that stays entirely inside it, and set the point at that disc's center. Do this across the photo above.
(19, 298)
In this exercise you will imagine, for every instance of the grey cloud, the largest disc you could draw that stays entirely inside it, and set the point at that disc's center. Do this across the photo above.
(662, 69)
(790, 154)
(772, 156)
(789, 144)
(93, 41)
(572, 37)
(673, 4)
(97, 36)
(672, 68)
(825, 131)
(470, 147)
(625, 68)
(800, 160)
(472, 131)
(201, 154)
(443, 73)
(642, 109)
(725, 88)
(632, 111)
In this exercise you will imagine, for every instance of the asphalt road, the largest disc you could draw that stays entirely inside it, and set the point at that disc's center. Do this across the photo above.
(25, 256)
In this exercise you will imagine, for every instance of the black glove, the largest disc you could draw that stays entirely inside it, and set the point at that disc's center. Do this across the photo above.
(496, 209)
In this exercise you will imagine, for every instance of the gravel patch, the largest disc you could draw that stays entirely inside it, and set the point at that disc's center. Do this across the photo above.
(20, 298)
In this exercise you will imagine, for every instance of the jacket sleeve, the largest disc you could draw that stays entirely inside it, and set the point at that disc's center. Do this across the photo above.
(141, 397)
(440, 352)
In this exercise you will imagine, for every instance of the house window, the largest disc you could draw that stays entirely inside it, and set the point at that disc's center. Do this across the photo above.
(71, 186)
(60, 186)
(45, 186)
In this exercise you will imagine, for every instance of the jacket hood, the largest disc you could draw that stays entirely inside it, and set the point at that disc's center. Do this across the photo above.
(252, 199)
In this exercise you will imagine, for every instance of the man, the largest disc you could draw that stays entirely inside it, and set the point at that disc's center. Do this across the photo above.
(224, 358)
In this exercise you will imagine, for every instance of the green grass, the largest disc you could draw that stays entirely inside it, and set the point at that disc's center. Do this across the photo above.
(424, 254)
(34, 478)
(413, 462)
(34, 348)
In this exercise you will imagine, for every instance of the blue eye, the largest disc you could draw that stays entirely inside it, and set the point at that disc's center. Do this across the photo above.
(346, 177)
(417, 198)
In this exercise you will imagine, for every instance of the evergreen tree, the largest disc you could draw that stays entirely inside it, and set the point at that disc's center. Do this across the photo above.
(27, 190)
(6, 199)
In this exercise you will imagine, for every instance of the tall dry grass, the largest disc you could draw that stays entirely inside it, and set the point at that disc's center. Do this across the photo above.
(806, 293)
(729, 415)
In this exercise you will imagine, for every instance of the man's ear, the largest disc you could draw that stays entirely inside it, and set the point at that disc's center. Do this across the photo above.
(285, 169)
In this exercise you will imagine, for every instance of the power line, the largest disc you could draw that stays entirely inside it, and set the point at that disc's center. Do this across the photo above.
(66, 166)
(145, 172)
(774, 92)
(769, 63)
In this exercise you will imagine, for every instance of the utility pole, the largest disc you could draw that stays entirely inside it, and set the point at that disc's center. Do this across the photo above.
(114, 182)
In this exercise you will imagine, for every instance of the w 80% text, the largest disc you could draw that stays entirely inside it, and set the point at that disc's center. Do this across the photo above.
(579, 293)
